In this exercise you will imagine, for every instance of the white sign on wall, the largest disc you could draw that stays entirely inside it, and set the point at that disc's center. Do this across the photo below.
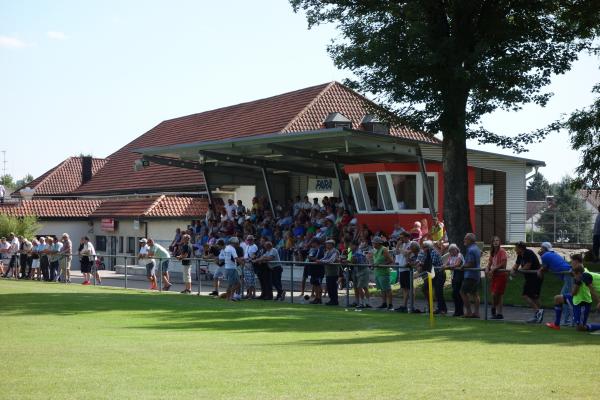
(323, 185)
(484, 195)
(136, 224)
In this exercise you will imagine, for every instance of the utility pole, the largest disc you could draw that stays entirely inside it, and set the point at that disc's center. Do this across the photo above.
(3, 163)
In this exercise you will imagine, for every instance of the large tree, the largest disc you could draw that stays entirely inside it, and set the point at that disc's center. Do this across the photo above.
(538, 188)
(441, 65)
(584, 126)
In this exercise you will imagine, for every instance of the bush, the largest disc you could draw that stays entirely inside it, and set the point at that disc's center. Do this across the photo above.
(20, 226)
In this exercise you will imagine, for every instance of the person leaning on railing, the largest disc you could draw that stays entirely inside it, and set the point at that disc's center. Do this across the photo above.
(556, 264)
(380, 257)
(454, 263)
(159, 253)
(430, 261)
(472, 276)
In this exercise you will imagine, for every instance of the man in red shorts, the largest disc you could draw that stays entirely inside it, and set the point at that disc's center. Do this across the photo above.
(496, 268)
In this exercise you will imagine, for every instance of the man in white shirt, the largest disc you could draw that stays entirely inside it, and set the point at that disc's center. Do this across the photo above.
(12, 256)
(148, 262)
(230, 209)
(4, 246)
(2, 193)
(231, 273)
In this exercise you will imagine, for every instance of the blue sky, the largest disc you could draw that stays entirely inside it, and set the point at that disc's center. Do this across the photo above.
(90, 76)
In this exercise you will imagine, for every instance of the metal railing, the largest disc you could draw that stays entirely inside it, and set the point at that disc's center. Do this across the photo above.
(553, 227)
(201, 267)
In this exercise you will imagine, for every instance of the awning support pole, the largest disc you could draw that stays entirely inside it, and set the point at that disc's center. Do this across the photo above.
(208, 191)
(428, 192)
(268, 188)
(338, 175)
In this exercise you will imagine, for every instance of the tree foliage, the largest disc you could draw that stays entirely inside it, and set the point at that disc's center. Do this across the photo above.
(24, 226)
(568, 216)
(439, 66)
(538, 188)
(584, 127)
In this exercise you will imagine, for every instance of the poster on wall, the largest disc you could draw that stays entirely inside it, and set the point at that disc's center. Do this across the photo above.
(108, 224)
(136, 224)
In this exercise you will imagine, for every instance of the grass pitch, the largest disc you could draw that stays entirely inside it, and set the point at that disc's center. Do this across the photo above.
(63, 342)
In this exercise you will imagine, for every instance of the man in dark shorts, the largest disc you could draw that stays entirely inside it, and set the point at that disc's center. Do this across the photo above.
(527, 260)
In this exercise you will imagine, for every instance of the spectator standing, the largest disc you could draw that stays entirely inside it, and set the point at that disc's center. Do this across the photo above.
(185, 253)
(250, 250)
(554, 263)
(497, 263)
(147, 262)
(13, 256)
(54, 252)
(472, 276)
(381, 259)
(360, 275)
(317, 270)
(66, 257)
(44, 261)
(401, 259)
(25, 257)
(4, 247)
(231, 274)
(528, 262)
(162, 257)
(330, 260)
(88, 258)
(216, 253)
(35, 261)
(230, 209)
(2, 193)
(429, 261)
(270, 257)
(596, 238)
(454, 263)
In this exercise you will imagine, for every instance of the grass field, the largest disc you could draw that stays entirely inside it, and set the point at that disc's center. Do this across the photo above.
(84, 342)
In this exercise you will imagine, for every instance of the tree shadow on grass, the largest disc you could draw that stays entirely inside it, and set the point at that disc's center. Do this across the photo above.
(173, 312)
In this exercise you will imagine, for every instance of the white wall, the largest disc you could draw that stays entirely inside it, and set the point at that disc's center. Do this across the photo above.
(75, 229)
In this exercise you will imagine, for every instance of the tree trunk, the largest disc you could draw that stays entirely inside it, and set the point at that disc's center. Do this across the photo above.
(457, 216)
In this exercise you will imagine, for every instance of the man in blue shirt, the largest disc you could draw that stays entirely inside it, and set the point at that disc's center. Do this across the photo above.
(557, 265)
(469, 289)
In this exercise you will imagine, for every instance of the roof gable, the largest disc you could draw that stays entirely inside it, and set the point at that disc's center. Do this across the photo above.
(299, 110)
(62, 179)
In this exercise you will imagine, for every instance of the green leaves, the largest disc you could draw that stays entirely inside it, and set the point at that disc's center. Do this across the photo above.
(25, 226)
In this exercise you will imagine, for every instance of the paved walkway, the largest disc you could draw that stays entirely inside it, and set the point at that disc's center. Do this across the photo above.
(111, 279)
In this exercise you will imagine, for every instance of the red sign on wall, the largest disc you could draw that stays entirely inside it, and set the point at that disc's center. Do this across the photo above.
(108, 224)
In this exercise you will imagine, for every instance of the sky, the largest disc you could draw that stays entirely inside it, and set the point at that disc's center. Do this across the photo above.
(88, 77)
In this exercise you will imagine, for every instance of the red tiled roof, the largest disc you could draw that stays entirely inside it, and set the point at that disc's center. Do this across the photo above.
(62, 179)
(153, 207)
(300, 110)
(43, 208)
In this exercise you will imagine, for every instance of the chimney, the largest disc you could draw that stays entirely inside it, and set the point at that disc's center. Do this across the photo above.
(86, 169)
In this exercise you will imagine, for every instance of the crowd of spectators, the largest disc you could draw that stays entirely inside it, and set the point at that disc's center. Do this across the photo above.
(248, 245)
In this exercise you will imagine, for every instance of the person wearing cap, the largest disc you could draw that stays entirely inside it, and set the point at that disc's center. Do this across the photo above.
(66, 257)
(159, 253)
(186, 251)
(250, 250)
(381, 258)
(271, 258)
(232, 277)
(329, 260)
(360, 275)
(556, 264)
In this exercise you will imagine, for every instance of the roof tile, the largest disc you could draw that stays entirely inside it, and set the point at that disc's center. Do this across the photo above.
(43, 208)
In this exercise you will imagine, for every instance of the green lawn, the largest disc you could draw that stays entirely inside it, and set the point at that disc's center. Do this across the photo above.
(84, 342)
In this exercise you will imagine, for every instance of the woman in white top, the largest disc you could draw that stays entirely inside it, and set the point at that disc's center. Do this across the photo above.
(455, 263)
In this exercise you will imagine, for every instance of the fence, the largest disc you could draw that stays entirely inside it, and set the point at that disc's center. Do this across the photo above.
(553, 227)
(202, 267)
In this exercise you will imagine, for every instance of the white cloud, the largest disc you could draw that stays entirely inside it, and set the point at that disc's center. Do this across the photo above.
(11, 42)
(56, 35)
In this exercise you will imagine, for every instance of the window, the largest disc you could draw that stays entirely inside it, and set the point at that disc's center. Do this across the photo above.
(121, 245)
(405, 188)
(431, 181)
(373, 195)
(358, 193)
(100, 243)
(484, 195)
(131, 245)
